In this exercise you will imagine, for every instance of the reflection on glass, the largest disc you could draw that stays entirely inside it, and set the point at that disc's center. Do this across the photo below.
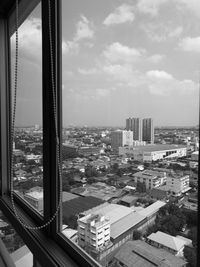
(127, 68)
(28, 144)
(19, 252)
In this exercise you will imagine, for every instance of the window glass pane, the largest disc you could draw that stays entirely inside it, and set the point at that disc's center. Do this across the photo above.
(28, 140)
(19, 252)
(130, 123)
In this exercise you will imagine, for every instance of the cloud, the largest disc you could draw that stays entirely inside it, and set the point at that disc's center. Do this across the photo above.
(122, 14)
(155, 58)
(88, 71)
(30, 38)
(157, 74)
(70, 47)
(84, 29)
(192, 5)
(150, 6)
(176, 32)
(161, 32)
(190, 44)
(162, 83)
(117, 52)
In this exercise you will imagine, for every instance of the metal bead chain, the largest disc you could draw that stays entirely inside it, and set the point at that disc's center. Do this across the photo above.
(59, 160)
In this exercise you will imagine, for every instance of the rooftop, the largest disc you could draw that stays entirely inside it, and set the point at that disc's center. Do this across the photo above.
(169, 241)
(125, 223)
(98, 190)
(22, 257)
(152, 208)
(68, 196)
(147, 174)
(129, 199)
(139, 254)
(159, 147)
(35, 194)
(113, 211)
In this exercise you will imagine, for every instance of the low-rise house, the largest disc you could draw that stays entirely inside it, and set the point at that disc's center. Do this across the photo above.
(172, 244)
(138, 253)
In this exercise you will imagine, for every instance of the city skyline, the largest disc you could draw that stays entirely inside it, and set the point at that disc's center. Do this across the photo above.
(120, 60)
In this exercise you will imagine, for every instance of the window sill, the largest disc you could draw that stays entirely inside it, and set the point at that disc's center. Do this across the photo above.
(45, 249)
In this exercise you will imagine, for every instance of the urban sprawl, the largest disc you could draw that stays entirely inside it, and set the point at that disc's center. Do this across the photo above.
(129, 193)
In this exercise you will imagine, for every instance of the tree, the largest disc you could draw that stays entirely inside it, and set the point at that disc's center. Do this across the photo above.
(136, 235)
(191, 256)
(115, 167)
(193, 235)
(90, 172)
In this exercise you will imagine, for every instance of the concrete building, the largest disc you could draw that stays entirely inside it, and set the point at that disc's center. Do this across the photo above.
(35, 197)
(138, 253)
(123, 221)
(148, 130)
(195, 156)
(178, 184)
(172, 244)
(93, 232)
(151, 153)
(151, 178)
(121, 138)
(135, 125)
(151, 211)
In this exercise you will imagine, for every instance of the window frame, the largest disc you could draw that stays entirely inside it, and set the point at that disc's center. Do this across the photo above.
(49, 246)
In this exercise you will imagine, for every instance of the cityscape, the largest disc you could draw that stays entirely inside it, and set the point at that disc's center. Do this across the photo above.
(121, 195)
(125, 93)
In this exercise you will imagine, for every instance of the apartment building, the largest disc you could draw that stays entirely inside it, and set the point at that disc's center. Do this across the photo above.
(93, 232)
(178, 184)
(151, 178)
(121, 138)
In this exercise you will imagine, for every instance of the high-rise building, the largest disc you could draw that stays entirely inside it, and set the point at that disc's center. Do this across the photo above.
(135, 125)
(148, 130)
(129, 124)
(143, 129)
(137, 128)
(121, 138)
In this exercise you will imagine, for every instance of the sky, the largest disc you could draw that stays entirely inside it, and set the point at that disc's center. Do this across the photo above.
(120, 59)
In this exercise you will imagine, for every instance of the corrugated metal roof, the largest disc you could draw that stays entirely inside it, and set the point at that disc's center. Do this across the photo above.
(127, 222)
(169, 241)
(113, 211)
(140, 254)
(152, 208)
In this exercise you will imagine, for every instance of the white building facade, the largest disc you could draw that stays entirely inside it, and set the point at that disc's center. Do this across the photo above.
(93, 232)
(178, 185)
(121, 138)
(152, 179)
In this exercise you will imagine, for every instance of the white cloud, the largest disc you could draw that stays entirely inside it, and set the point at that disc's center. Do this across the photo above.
(117, 52)
(122, 14)
(159, 74)
(150, 6)
(192, 5)
(70, 47)
(164, 84)
(84, 29)
(161, 32)
(88, 71)
(30, 37)
(156, 58)
(190, 44)
(176, 32)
